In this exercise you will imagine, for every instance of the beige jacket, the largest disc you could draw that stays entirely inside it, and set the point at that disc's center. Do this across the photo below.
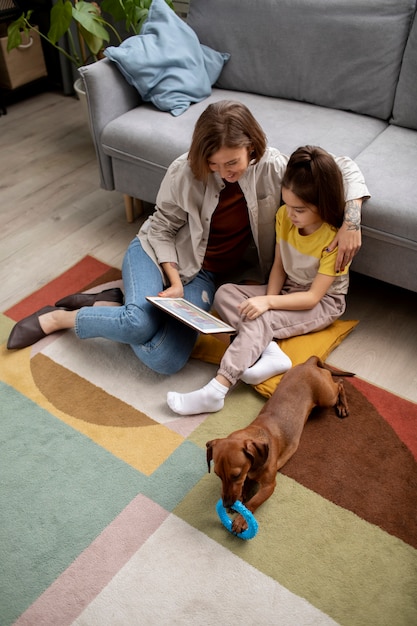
(178, 230)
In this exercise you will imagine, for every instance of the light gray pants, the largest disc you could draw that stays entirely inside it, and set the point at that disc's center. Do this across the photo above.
(253, 336)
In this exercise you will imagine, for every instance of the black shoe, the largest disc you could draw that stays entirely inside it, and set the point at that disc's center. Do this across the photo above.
(28, 331)
(78, 300)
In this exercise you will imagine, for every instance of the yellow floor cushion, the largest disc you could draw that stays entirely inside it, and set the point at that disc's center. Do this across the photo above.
(299, 349)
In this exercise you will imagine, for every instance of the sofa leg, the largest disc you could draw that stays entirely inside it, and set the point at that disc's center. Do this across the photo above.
(133, 206)
(128, 200)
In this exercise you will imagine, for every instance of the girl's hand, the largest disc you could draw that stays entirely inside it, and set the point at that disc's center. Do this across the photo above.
(174, 291)
(253, 307)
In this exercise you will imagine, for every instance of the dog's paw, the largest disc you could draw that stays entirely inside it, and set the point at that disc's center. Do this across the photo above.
(342, 412)
(239, 524)
(341, 407)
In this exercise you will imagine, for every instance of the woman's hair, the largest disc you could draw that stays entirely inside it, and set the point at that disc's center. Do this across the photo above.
(313, 175)
(224, 124)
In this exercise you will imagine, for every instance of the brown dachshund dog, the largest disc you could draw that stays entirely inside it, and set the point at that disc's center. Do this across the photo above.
(250, 457)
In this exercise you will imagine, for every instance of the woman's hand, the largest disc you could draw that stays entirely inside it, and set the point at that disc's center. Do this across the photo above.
(254, 307)
(174, 291)
(349, 242)
(348, 238)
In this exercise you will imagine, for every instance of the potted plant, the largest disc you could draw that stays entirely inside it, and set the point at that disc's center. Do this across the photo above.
(87, 31)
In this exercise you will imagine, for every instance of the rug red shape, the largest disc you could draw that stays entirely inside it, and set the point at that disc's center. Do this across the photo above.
(81, 276)
(399, 412)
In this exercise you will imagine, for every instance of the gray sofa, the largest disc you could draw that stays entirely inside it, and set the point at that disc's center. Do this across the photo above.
(341, 74)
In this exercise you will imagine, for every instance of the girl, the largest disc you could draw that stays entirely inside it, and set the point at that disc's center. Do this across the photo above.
(304, 292)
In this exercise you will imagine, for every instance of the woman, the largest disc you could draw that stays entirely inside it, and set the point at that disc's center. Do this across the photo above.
(215, 209)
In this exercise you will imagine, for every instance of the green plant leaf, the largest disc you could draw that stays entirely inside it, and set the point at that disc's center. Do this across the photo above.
(115, 8)
(88, 15)
(15, 30)
(61, 17)
(14, 36)
(94, 44)
(140, 17)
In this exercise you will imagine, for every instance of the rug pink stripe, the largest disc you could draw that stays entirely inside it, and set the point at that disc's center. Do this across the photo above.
(86, 577)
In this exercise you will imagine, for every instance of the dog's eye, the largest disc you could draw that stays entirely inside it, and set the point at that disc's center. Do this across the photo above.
(235, 477)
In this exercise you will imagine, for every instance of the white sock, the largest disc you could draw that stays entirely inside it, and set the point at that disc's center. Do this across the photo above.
(272, 362)
(208, 399)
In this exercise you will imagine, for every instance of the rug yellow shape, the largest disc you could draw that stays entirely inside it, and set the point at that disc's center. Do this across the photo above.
(299, 349)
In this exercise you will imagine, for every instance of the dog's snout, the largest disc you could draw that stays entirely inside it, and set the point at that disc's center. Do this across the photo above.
(229, 499)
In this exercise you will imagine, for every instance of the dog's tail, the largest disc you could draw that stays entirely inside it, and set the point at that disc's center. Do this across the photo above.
(333, 370)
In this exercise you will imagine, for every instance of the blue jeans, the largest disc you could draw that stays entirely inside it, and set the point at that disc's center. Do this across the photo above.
(161, 342)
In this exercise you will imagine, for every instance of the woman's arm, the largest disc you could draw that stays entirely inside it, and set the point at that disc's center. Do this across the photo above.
(175, 289)
(170, 214)
(348, 238)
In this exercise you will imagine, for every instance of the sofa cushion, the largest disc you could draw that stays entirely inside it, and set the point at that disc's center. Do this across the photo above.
(166, 63)
(405, 107)
(343, 54)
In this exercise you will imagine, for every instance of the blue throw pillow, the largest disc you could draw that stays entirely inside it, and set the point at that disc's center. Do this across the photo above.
(166, 63)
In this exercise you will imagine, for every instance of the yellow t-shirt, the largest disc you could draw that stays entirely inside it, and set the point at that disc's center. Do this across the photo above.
(304, 256)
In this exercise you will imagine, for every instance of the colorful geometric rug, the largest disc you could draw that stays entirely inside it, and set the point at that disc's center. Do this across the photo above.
(107, 512)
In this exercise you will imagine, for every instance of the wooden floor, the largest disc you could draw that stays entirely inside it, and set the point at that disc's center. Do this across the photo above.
(52, 213)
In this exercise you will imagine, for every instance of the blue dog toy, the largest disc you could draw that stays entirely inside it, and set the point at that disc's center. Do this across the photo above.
(252, 528)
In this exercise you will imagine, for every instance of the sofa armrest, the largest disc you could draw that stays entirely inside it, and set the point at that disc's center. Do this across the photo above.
(109, 95)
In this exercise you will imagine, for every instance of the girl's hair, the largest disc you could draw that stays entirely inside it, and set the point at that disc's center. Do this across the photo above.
(224, 124)
(312, 174)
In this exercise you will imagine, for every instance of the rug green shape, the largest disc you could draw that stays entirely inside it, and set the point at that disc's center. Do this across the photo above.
(59, 490)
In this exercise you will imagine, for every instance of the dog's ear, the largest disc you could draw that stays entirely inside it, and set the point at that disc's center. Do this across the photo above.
(209, 446)
(256, 451)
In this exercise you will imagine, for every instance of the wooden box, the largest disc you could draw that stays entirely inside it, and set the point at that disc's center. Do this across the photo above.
(23, 64)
